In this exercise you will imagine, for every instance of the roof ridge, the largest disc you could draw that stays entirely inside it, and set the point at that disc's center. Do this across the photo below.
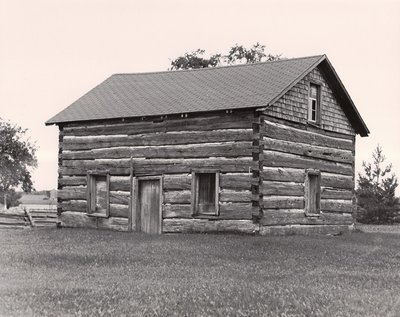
(217, 67)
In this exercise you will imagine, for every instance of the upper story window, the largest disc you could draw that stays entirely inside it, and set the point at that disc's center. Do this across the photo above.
(314, 103)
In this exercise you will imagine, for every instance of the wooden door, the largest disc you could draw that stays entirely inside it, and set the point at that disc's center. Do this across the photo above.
(149, 206)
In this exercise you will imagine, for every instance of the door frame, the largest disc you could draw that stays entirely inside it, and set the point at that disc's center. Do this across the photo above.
(135, 224)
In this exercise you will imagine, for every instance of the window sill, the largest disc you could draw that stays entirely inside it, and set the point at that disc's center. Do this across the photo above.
(97, 215)
(312, 215)
(314, 124)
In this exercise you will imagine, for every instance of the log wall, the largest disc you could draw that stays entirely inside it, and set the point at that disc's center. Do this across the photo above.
(288, 151)
(171, 147)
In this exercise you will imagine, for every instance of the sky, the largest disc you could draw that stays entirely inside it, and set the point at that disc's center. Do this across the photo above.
(54, 51)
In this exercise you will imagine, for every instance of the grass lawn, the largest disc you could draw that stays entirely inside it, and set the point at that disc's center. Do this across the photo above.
(89, 272)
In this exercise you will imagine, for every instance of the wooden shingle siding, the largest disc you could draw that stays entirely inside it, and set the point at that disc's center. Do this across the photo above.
(172, 148)
(293, 105)
(289, 150)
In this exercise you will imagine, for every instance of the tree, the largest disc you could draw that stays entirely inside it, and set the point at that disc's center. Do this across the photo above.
(237, 54)
(195, 59)
(17, 159)
(376, 190)
(255, 54)
(12, 198)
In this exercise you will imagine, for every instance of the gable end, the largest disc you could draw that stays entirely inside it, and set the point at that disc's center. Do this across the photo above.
(338, 112)
(293, 105)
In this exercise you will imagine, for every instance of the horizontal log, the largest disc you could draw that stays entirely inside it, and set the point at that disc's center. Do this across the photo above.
(118, 210)
(74, 205)
(120, 183)
(72, 194)
(333, 193)
(235, 181)
(282, 188)
(177, 182)
(158, 166)
(283, 174)
(226, 211)
(177, 211)
(298, 176)
(309, 127)
(122, 198)
(227, 195)
(81, 194)
(72, 219)
(287, 133)
(278, 159)
(237, 120)
(78, 219)
(333, 205)
(177, 197)
(304, 229)
(235, 211)
(74, 187)
(77, 171)
(72, 181)
(237, 149)
(205, 225)
(113, 223)
(320, 152)
(337, 181)
(155, 139)
(283, 202)
(289, 217)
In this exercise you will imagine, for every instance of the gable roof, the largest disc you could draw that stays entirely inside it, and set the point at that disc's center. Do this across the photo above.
(199, 90)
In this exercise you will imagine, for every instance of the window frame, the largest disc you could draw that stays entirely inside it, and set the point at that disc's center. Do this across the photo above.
(317, 101)
(195, 194)
(91, 175)
(307, 190)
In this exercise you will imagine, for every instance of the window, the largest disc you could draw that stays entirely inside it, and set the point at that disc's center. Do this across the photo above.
(98, 194)
(314, 103)
(205, 189)
(313, 192)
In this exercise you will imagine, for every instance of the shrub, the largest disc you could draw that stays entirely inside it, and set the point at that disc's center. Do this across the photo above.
(376, 192)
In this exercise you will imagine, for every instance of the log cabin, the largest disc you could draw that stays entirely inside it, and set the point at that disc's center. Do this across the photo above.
(264, 148)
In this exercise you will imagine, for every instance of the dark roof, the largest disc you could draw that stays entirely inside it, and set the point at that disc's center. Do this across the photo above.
(187, 91)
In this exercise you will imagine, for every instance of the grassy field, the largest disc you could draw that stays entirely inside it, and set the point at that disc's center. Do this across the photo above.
(88, 272)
